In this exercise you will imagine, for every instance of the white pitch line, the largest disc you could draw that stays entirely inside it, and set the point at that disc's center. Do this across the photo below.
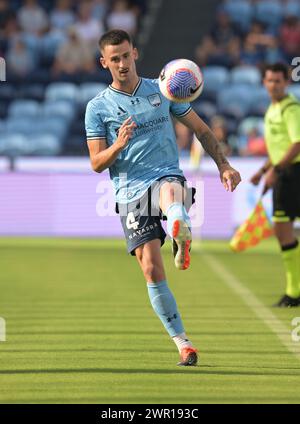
(281, 331)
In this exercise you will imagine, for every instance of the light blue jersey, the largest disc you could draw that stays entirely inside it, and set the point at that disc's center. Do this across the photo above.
(152, 151)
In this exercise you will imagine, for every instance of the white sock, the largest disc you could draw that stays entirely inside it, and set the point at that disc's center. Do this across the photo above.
(182, 341)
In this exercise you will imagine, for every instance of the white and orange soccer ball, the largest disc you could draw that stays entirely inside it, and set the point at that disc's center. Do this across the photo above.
(181, 81)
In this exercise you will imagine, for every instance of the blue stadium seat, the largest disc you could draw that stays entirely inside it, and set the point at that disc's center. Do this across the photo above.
(45, 145)
(292, 8)
(215, 78)
(295, 89)
(20, 125)
(59, 108)
(3, 108)
(32, 91)
(205, 109)
(23, 108)
(269, 12)
(62, 91)
(14, 145)
(2, 127)
(240, 12)
(260, 101)
(56, 126)
(8, 92)
(245, 75)
(235, 100)
(89, 90)
(249, 124)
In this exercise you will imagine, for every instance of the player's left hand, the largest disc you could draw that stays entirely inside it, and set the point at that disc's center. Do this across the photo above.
(270, 178)
(230, 178)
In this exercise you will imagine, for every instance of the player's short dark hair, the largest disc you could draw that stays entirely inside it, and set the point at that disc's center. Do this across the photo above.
(114, 38)
(278, 67)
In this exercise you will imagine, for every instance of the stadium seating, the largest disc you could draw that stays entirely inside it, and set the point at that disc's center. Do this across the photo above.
(245, 75)
(249, 124)
(14, 145)
(215, 79)
(24, 108)
(240, 12)
(45, 145)
(260, 100)
(269, 12)
(292, 8)
(295, 89)
(61, 91)
(89, 90)
(58, 108)
(20, 125)
(205, 109)
(235, 100)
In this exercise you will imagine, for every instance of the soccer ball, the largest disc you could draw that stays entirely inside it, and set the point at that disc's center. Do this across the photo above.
(181, 81)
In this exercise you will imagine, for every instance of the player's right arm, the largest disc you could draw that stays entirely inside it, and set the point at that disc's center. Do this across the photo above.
(102, 157)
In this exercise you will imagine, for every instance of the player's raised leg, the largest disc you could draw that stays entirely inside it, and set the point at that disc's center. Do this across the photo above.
(163, 301)
(172, 196)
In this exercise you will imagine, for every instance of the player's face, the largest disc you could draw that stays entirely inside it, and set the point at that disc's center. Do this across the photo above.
(120, 60)
(275, 84)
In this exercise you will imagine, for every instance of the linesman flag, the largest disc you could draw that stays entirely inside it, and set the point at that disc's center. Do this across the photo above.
(255, 229)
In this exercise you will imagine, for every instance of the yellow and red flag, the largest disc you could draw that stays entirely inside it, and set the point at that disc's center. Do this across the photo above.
(255, 229)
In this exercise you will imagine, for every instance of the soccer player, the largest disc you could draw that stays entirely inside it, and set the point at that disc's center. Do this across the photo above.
(130, 131)
(282, 134)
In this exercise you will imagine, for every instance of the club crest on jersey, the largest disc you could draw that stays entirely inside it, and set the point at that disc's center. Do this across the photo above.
(155, 100)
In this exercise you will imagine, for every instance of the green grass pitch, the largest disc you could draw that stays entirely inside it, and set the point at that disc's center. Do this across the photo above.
(80, 328)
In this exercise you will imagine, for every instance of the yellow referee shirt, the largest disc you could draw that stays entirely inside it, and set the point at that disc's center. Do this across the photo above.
(282, 128)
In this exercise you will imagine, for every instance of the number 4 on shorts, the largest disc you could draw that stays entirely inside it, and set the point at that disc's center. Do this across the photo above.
(131, 223)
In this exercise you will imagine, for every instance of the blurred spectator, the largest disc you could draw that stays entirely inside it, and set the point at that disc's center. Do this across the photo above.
(88, 28)
(62, 15)
(32, 18)
(223, 30)
(49, 44)
(20, 62)
(219, 128)
(253, 144)
(6, 13)
(74, 56)
(122, 16)
(99, 8)
(251, 54)
(222, 45)
(183, 136)
(290, 37)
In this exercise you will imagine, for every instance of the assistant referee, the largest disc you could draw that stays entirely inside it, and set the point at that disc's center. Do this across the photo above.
(282, 172)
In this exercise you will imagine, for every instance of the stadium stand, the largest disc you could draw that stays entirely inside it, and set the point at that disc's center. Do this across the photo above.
(245, 36)
(51, 52)
(43, 99)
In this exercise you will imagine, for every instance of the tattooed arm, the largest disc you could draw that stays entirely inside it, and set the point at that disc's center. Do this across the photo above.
(229, 176)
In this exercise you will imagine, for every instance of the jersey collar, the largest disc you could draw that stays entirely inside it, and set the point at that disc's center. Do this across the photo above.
(124, 92)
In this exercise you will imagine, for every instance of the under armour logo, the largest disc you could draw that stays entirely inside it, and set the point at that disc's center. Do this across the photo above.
(173, 317)
(135, 102)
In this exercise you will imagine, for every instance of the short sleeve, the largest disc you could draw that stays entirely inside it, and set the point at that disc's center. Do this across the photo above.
(180, 109)
(292, 120)
(94, 125)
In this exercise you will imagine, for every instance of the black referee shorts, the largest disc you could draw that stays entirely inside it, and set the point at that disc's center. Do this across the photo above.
(286, 195)
(141, 219)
